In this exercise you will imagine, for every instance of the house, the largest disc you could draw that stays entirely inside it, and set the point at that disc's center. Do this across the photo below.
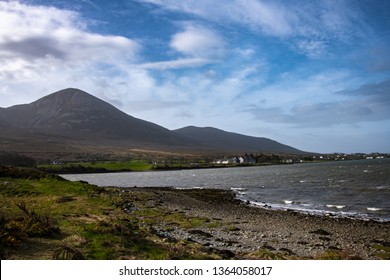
(226, 161)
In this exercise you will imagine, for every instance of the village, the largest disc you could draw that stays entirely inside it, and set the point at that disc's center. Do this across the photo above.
(248, 159)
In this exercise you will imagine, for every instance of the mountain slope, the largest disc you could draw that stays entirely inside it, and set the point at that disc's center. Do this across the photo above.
(72, 121)
(76, 114)
(233, 142)
(3, 121)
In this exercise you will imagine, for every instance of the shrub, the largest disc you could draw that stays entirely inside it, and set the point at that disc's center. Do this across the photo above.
(67, 252)
(37, 225)
(11, 235)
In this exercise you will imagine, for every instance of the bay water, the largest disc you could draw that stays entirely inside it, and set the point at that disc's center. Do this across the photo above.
(356, 189)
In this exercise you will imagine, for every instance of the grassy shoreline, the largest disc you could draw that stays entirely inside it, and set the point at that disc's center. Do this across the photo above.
(132, 166)
(43, 216)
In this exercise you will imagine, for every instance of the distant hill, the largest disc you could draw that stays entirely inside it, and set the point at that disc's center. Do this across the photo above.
(233, 142)
(73, 121)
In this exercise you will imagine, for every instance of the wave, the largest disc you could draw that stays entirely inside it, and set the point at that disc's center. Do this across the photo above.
(238, 189)
(295, 203)
(373, 209)
(320, 212)
(383, 188)
(335, 206)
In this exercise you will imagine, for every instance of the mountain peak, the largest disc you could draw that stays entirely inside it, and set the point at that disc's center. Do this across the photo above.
(70, 91)
(61, 110)
(69, 96)
(76, 114)
(74, 117)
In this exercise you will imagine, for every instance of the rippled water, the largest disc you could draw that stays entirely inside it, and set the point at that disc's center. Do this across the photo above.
(348, 188)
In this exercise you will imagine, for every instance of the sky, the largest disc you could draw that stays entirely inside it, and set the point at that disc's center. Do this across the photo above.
(312, 74)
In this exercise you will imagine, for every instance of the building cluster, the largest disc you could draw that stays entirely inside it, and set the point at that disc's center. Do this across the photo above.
(246, 159)
(288, 159)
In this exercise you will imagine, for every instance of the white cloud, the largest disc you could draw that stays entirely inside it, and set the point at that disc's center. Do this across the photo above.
(38, 39)
(198, 41)
(44, 49)
(199, 45)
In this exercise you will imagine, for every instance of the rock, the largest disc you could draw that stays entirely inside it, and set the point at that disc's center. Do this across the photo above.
(320, 232)
(287, 251)
(225, 254)
(231, 242)
(163, 234)
(201, 233)
(268, 247)
(324, 238)
(381, 242)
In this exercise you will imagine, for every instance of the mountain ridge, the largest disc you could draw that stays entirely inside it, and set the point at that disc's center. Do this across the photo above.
(74, 119)
(75, 113)
(231, 141)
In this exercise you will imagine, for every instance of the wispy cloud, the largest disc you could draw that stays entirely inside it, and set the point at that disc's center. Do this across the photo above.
(368, 103)
(152, 105)
(268, 17)
(178, 63)
(307, 27)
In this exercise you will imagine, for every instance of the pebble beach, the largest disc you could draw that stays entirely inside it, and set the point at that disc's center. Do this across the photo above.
(242, 231)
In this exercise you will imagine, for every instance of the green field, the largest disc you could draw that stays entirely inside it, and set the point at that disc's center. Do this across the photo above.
(104, 166)
(127, 166)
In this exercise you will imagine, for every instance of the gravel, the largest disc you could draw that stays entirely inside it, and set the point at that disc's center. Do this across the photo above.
(242, 230)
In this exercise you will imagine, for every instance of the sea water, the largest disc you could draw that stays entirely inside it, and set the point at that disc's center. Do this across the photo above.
(356, 189)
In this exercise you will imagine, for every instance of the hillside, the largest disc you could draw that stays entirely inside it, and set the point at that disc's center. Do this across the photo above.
(79, 115)
(233, 142)
(72, 121)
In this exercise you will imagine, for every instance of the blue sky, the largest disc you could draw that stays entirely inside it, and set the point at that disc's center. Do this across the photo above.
(311, 74)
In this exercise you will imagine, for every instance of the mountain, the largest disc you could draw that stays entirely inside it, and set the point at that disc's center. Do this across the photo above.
(3, 122)
(233, 142)
(72, 121)
(78, 115)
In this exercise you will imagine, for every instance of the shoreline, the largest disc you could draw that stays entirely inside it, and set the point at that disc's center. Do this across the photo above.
(362, 206)
(245, 231)
(320, 213)
(78, 168)
(47, 217)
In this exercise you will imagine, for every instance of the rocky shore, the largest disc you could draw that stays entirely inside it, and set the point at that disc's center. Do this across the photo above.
(242, 231)
(43, 216)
